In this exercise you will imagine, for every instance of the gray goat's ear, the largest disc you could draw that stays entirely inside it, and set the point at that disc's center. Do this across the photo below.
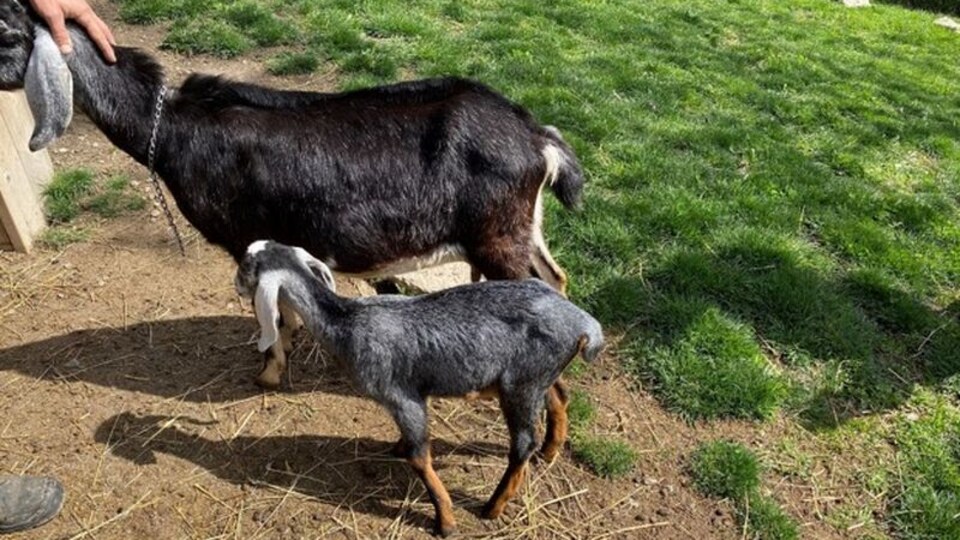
(319, 269)
(49, 88)
(268, 312)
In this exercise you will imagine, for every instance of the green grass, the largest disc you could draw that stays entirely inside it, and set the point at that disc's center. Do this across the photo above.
(59, 237)
(729, 470)
(62, 197)
(580, 410)
(115, 199)
(606, 457)
(726, 470)
(928, 440)
(763, 519)
(293, 63)
(74, 191)
(259, 24)
(714, 369)
(213, 36)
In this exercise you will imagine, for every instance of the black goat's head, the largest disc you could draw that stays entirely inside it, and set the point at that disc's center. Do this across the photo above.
(16, 44)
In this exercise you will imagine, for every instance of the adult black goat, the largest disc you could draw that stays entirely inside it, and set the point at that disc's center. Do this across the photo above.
(372, 182)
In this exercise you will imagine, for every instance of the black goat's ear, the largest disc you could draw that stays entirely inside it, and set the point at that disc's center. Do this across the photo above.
(49, 88)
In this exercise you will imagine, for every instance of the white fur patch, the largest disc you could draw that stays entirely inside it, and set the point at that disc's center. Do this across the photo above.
(317, 266)
(266, 306)
(257, 247)
(554, 159)
(540, 255)
(444, 254)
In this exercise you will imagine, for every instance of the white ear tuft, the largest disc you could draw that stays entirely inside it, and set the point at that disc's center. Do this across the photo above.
(49, 88)
(265, 303)
(322, 271)
(257, 247)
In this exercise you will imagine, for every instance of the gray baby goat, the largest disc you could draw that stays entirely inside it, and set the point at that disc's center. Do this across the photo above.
(505, 339)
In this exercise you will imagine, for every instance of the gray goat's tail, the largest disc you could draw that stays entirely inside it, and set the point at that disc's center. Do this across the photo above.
(593, 335)
(563, 169)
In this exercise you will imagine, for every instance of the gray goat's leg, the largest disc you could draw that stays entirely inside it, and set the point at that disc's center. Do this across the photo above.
(274, 363)
(289, 323)
(411, 417)
(521, 412)
(275, 359)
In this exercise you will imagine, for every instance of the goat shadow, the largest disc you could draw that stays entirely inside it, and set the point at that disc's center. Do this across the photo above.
(354, 472)
(196, 359)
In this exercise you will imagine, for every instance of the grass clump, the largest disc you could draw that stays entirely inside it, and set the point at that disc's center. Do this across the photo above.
(115, 200)
(604, 456)
(63, 197)
(259, 24)
(716, 369)
(580, 410)
(729, 470)
(59, 237)
(293, 63)
(726, 470)
(151, 11)
(609, 458)
(928, 503)
(209, 36)
(76, 190)
(763, 519)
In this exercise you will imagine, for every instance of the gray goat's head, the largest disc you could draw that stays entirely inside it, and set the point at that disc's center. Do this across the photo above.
(265, 268)
(30, 59)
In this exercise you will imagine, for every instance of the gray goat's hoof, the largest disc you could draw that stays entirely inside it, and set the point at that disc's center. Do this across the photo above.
(490, 512)
(447, 531)
(268, 381)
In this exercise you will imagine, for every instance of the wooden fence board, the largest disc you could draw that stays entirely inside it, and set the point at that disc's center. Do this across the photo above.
(22, 174)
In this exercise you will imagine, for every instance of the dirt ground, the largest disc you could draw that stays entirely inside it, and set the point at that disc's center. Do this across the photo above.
(126, 371)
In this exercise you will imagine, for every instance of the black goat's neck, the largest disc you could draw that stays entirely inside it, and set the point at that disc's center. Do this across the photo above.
(119, 98)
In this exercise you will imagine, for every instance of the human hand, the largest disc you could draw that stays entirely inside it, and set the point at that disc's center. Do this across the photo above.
(56, 12)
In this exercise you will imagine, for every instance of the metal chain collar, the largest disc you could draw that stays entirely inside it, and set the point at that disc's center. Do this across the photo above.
(151, 152)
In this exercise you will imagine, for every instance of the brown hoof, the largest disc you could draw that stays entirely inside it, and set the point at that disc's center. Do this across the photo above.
(446, 531)
(268, 381)
(490, 511)
(549, 455)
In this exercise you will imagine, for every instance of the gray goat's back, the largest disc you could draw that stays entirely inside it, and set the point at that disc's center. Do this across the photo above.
(455, 341)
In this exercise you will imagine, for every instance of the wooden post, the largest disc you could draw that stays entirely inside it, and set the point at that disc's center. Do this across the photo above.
(23, 175)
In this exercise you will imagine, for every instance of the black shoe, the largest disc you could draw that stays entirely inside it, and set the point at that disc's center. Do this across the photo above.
(28, 501)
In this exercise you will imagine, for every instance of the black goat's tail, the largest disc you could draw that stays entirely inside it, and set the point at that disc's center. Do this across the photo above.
(563, 171)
